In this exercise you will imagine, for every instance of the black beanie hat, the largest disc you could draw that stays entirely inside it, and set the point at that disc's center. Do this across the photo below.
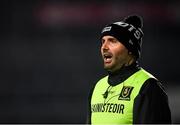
(128, 32)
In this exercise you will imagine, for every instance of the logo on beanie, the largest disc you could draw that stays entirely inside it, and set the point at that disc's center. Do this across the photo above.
(121, 24)
(106, 29)
(131, 28)
(130, 41)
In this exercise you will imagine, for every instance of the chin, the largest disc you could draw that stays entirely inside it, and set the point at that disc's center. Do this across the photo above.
(108, 68)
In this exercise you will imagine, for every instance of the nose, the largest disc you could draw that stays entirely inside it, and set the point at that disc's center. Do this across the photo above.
(104, 46)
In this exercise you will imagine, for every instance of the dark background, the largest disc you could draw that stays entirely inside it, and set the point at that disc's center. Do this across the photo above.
(50, 56)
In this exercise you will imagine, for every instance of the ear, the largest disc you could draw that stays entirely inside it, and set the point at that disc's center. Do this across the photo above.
(131, 58)
(130, 53)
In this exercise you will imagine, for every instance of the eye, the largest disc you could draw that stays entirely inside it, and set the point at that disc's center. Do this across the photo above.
(102, 41)
(113, 40)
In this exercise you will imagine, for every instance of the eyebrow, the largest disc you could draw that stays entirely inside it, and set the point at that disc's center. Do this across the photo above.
(112, 39)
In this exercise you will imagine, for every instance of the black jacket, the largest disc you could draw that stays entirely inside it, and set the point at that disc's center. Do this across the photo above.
(151, 104)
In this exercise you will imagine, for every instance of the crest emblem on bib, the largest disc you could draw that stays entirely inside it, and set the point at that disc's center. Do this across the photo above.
(125, 93)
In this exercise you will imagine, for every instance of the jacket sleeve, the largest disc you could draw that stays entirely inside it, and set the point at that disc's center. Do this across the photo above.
(88, 118)
(151, 105)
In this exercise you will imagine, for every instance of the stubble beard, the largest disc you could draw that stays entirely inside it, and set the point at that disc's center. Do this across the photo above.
(114, 66)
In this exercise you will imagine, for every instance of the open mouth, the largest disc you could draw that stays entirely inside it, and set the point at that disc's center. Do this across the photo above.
(107, 57)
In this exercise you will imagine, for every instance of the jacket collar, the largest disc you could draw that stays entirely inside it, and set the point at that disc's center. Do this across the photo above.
(122, 74)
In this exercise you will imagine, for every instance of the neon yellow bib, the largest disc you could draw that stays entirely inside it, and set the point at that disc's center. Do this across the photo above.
(116, 107)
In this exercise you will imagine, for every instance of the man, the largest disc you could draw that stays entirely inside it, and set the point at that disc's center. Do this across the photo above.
(129, 94)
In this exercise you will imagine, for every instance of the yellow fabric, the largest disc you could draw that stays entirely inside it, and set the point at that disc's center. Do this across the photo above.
(117, 108)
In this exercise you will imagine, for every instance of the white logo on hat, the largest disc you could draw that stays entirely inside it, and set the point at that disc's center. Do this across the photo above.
(123, 24)
(130, 41)
(106, 29)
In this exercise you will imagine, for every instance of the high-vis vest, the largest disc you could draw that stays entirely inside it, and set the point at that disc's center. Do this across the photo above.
(114, 104)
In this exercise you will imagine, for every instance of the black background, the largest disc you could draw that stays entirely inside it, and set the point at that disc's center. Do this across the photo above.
(50, 56)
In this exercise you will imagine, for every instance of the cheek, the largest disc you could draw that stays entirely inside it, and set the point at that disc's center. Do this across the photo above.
(120, 51)
(121, 54)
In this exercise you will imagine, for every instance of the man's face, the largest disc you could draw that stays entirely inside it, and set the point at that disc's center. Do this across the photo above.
(114, 53)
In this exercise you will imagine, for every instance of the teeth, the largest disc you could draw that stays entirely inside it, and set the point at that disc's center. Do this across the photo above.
(107, 56)
(107, 59)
